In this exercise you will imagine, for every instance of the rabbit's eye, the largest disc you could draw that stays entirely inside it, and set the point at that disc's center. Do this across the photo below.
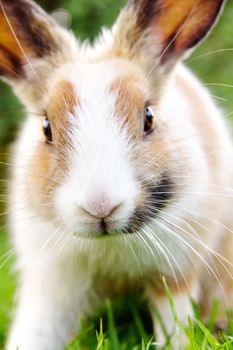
(149, 120)
(46, 126)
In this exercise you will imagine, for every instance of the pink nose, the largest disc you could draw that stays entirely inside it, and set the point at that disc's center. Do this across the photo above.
(101, 210)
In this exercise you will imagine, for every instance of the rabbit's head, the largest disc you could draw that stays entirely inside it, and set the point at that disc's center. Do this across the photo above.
(101, 150)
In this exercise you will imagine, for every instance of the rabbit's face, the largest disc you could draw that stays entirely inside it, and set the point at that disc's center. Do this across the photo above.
(100, 152)
(103, 158)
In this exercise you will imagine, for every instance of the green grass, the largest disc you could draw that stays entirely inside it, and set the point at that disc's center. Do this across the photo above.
(122, 325)
(135, 333)
(7, 287)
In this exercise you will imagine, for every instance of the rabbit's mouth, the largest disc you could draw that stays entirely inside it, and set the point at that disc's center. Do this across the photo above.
(101, 229)
(157, 195)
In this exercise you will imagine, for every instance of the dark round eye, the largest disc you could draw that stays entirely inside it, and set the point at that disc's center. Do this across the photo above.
(47, 130)
(149, 120)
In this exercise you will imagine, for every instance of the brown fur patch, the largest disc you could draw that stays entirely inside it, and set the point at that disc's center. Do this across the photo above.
(129, 103)
(62, 102)
(53, 165)
(42, 174)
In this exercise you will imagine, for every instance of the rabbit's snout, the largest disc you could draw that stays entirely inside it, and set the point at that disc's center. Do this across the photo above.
(102, 212)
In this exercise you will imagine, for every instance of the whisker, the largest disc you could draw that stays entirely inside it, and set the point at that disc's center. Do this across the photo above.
(6, 257)
(218, 84)
(198, 240)
(209, 54)
(166, 251)
(219, 98)
(206, 264)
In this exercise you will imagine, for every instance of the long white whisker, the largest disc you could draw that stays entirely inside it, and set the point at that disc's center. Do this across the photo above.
(206, 264)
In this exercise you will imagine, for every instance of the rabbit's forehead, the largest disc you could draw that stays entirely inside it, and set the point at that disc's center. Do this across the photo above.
(95, 89)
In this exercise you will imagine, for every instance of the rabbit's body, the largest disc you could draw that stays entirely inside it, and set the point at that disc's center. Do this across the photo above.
(111, 202)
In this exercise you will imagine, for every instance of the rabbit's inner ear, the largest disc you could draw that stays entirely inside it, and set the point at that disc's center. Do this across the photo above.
(183, 23)
(11, 58)
(26, 31)
(173, 26)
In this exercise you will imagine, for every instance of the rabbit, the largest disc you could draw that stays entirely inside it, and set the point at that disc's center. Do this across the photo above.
(122, 170)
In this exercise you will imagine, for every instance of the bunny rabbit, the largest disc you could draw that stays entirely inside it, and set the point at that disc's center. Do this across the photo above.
(121, 171)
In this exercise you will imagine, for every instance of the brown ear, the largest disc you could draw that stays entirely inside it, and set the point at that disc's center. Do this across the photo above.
(175, 25)
(26, 31)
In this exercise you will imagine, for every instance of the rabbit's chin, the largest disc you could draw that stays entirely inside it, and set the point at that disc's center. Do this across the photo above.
(101, 229)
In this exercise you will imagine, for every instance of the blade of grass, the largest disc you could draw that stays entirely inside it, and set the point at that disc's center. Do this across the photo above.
(170, 299)
(190, 333)
(113, 336)
(211, 339)
(100, 338)
(213, 315)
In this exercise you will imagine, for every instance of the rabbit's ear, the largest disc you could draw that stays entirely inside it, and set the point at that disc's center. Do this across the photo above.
(26, 32)
(167, 28)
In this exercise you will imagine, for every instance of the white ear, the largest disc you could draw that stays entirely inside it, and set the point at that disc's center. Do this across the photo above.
(165, 28)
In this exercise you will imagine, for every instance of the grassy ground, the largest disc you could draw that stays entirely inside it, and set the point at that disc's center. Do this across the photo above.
(135, 332)
(123, 325)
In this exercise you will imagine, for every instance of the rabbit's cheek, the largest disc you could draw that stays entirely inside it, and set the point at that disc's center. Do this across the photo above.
(154, 200)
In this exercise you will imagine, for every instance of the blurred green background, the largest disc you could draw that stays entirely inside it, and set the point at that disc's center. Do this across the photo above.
(212, 62)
